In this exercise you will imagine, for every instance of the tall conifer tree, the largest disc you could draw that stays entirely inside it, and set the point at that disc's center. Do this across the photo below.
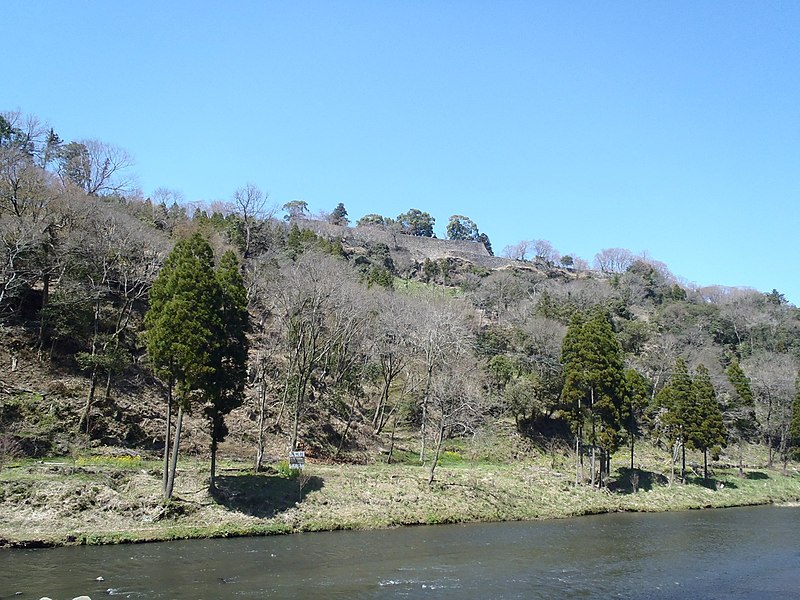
(226, 387)
(674, 402)
(594, 384)
(707, 428)
(183, 324)
(741, 411)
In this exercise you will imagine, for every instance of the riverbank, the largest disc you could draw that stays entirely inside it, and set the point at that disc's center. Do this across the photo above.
(117, 499)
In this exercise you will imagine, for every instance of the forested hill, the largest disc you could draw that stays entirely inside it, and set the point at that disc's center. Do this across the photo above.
(356, 332)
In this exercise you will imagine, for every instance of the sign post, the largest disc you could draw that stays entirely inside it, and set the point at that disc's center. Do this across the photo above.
(297, 459)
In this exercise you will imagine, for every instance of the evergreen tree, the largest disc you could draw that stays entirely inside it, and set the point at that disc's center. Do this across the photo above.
(675, 411)
(741, 410)
(462, 228)
(708, 429)
(484, 239)
(416, 222)
(183, 324)
(230, 358)
(593, 385)
(339, 215)
(634, 403)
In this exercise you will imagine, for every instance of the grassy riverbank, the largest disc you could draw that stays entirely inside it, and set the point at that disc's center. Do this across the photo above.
(111, 499)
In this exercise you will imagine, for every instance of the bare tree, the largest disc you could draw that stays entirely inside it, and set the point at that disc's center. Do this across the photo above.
(120, 258)
(441, 332)
(518, 251)
(772, 378)
(545, 251)
(456, 401)
(613, 260)
(390, 348)
(98, 168)
(250, 203)
(316, 302)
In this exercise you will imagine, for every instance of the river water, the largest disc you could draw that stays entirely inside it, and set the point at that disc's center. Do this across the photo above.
(739, 553)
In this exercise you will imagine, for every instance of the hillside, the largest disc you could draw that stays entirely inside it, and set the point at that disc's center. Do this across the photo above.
(362, 344)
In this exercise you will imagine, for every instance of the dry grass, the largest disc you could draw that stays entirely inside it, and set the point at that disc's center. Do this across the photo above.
(106, 501)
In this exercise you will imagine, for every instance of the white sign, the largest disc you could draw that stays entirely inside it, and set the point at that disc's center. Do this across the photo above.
(297, 459)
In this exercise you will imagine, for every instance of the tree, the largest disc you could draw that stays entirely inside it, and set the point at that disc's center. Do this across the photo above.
(98, 168)
(226, 387)
(416, 222)
(114, 258)
(295, 210)
(545, 251)
(708, 428)
(741, 410)
(794, 426)
(634, 402)
(593, 385)
(484, 239)
(182, 328)
(319, 311)
(772, 379)
(390, 346)
(339, 215)
(613, 260)
(517, 251)
(373, 219)
(674, 412)
(250, 205)
(439, 333)
(455, 394)
(462, 228)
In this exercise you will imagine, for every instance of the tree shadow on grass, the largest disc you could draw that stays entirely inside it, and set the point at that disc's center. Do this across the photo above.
(756, 475)
(711, 483)
(264, 496)
(629, 481)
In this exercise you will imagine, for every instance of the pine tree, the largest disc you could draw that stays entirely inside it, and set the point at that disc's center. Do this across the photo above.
(339, 215)
(230, 357)
(594, 385)
(741, 411)
(707, 429)
(183, 323)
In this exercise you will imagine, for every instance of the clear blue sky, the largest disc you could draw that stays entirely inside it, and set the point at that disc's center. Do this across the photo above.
(669, 127)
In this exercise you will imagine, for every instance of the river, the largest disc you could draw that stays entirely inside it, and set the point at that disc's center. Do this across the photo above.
(739, 553)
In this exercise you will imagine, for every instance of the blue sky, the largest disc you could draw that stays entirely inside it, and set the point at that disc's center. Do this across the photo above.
(668, 127)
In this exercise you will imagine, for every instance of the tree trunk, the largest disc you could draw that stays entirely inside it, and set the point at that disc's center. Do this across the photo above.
(174, 460)
(84, 420)
(262, 409)
(347, 427)
(424, 415)
(683, 462)
(705, 463)
(379, 410)
(301, 392)
(212, 483)
(167, 434)
(594, 435)
(391, 442)
(438, 452)
(632, 442)
(42, 318)
(768, 429)
(741, 457)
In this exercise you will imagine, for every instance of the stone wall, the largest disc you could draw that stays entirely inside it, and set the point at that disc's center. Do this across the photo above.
(409, 247)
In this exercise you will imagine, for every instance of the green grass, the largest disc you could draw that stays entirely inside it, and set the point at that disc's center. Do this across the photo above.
(113, 498)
